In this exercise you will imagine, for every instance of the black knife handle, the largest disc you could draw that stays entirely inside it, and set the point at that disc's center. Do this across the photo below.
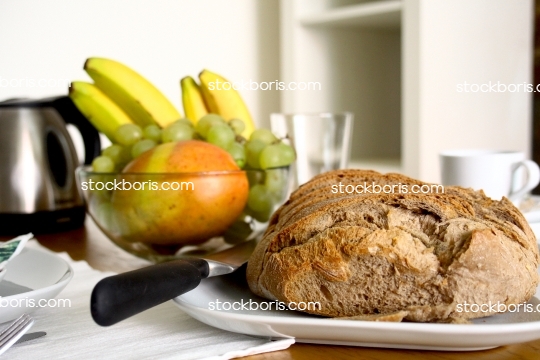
(121, 296)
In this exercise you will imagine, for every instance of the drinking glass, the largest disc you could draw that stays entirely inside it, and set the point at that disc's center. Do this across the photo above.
(322, 141)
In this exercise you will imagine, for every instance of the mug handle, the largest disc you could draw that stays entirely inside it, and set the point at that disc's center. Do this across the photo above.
(533, 178)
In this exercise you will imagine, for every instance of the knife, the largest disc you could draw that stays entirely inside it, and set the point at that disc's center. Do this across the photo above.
(30, 336)
(116, 298)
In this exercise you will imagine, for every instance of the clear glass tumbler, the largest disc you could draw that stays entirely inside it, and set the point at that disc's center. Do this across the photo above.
(322, 141)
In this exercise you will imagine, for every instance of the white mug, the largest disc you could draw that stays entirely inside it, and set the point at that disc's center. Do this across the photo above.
(498, 173)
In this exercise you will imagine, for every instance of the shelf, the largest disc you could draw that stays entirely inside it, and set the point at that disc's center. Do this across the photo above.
(376, 14)
(382, 165)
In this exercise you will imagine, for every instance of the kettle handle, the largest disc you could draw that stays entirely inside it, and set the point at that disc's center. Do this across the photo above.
(69, 112)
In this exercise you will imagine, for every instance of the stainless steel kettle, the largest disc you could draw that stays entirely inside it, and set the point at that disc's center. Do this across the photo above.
(38, 188)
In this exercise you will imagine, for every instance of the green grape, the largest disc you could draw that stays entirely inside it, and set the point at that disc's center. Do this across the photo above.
(263, 135)
(238, 153)
(220, 135)
(142, 146)
(253, 150)
(177, 132)
(152, 132)
(260, 199)
(103, 164)
(261, 216)
(237, 125)
(115, 153)
(126, 157)
(275, 181)
(128, 134)
(206, 122)
(236, 233)
(184, 121)
(276, 155)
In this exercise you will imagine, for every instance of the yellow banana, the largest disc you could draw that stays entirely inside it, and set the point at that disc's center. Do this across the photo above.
(101, 111)
(227, 103)
(141, 100)
(194, 105)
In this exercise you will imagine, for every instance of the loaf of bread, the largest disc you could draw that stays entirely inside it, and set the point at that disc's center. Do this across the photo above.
(389, 257)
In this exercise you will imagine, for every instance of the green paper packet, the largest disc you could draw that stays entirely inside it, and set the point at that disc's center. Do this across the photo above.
(12, 248)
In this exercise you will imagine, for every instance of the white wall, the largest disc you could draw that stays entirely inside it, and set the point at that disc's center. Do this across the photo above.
(163, 39)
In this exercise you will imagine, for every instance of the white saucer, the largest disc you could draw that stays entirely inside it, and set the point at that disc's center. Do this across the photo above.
(32, 276)
(498, 330)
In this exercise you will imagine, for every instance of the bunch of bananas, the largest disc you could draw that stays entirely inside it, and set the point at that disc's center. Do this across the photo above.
(210, 98)
(119, 96)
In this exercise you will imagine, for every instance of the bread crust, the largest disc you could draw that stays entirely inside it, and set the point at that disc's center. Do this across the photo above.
(417, 255)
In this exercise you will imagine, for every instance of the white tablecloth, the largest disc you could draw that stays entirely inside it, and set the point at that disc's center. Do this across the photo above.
(164, 332)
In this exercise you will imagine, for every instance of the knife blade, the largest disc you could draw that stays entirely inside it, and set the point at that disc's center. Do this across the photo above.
(116, 298)
(229, 260)
(30, 336)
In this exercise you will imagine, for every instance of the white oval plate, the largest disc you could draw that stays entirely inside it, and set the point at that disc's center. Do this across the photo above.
(498, 330)
(31, 276)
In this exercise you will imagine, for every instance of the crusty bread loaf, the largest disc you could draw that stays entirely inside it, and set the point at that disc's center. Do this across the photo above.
(405, 256)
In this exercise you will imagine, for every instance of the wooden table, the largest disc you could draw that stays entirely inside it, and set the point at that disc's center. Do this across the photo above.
(90, 244)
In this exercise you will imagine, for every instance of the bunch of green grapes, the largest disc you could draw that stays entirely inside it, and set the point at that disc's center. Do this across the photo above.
(262, 151)
(130, 141)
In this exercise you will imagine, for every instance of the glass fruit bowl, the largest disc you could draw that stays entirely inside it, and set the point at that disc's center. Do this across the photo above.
(160, 216)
